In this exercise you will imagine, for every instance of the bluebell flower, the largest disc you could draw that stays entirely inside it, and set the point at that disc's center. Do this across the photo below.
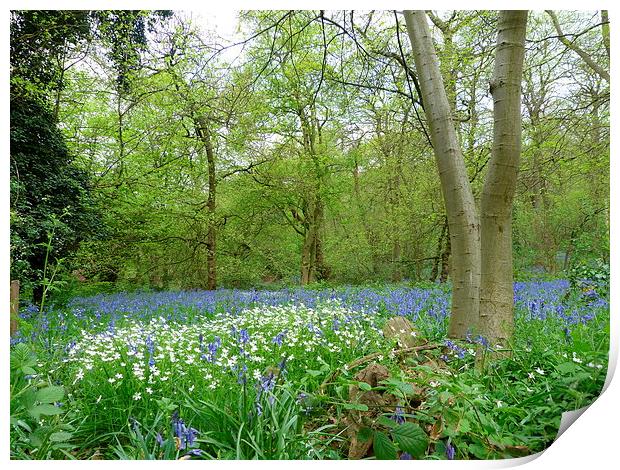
(134, 423)
(185, 437)
(194, 453)
(241, 375)
(212, 348)
(190, 436)
(482, 341)
(398, 416)
(460, 352)
(267, 383)
(278, 338)
(405, 456)
(450, 451)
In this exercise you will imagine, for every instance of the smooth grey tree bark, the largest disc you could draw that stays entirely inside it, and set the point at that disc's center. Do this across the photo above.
(457, 194)
(482, 297)
(496, 285)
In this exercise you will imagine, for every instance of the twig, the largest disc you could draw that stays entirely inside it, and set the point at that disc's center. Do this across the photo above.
(370, 357)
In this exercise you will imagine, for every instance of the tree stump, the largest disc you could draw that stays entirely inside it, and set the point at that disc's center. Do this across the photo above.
(401, 330)
(376, 401)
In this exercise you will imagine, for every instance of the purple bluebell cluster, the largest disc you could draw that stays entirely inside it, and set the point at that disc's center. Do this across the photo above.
(103, 313)
(278, 338)
(399, 415)
(150, 347)
(186, 437)
(212, 348)
(478, 339)
(450, 451)
(265, 386)
(455, 348)
(183, 305)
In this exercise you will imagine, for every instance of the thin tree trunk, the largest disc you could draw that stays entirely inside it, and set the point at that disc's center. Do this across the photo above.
(394, 199)
(457, 194)
(205, 136)
(121, 141)
(368, 233)
(308, 252)
(437, 264)
(397, 273)
(323, 271)
(605, 28)
(445, 261)
(496, 288)
(574, 47)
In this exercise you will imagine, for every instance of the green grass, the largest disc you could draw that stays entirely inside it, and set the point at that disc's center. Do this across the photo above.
(248, 379)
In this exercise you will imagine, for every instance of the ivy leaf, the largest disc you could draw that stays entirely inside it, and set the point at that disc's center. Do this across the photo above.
(404, 387)
(478, 450)
(566, 368)
(411, 438)
(50, 394)
(364, 386)
(355, 406)
(364, 434)
(384, 448)
(44, 409)
(387, 422)
(27, 370)
(60, 436)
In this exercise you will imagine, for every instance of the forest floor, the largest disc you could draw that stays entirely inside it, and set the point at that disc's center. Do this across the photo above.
(299, 374)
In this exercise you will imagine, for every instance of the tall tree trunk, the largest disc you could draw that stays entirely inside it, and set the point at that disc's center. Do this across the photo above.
(313, 265)
(371, 238)
(308, 251)
(395, 199)
(605, 28)
(323, 271)
(458, 198)
(121, 141)
(397, 272)
(496, 288)
(205, 136)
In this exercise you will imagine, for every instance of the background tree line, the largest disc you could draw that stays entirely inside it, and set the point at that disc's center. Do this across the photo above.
(172, 161)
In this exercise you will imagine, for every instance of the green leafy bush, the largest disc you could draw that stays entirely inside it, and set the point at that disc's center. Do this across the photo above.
(38, 430)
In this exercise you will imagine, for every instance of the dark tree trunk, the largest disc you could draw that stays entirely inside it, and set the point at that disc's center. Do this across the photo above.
(445, 260)
(438, 258)
(205, 135)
